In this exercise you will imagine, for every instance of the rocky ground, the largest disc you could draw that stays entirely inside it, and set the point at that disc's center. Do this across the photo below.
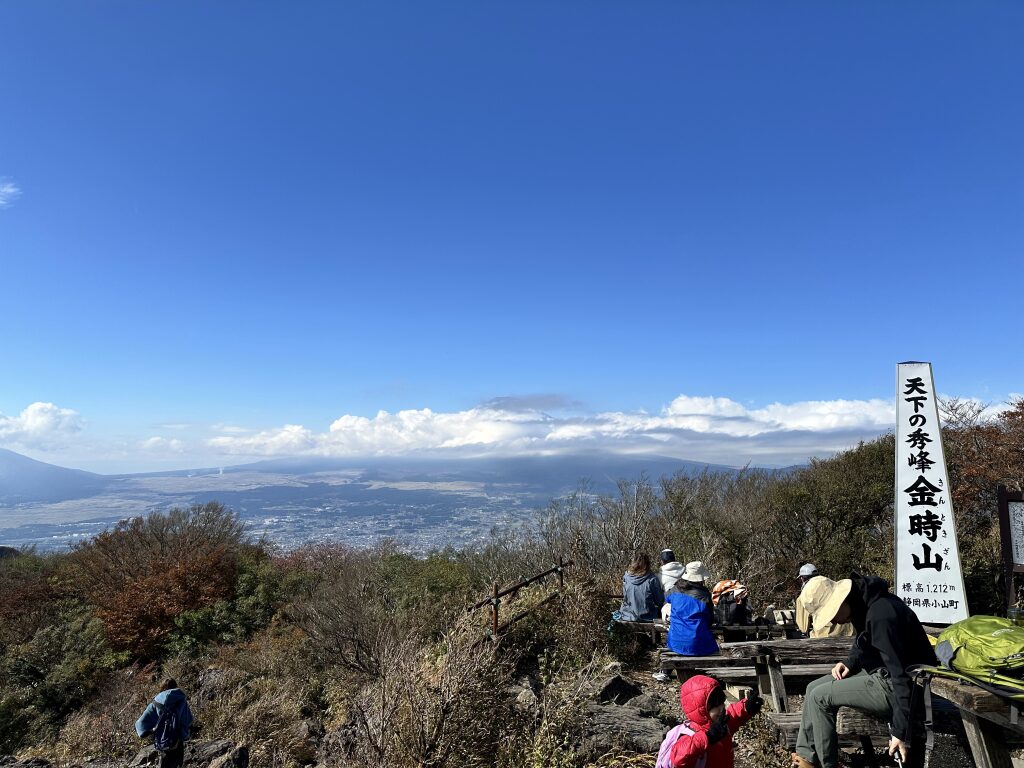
(198, 754)
(626, 717)
(630, 707)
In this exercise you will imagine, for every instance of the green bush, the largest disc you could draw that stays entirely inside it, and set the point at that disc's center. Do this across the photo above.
(259, 590)
(53, 674)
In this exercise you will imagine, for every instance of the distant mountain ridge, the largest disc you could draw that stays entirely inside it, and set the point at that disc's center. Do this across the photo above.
(26, 480)
(425, 502)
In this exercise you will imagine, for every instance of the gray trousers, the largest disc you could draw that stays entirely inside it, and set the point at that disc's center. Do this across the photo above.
(817, 741)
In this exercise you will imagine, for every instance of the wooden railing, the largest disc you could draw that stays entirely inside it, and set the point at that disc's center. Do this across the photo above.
(494, 599)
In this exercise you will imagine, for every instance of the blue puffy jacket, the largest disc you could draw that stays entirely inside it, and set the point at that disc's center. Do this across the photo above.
(689, 626)
(172, 697)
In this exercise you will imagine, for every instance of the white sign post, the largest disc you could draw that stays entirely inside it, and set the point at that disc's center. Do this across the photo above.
(928, 575)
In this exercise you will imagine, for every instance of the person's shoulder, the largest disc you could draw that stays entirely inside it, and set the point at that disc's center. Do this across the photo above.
(887, 606)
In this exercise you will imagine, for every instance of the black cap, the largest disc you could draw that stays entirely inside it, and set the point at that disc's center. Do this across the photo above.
(668, 556)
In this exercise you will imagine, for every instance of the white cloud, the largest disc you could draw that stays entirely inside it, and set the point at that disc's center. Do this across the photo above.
(162, 445)
(230, 429)
(41, 426)
(9, 192)
(703, 428)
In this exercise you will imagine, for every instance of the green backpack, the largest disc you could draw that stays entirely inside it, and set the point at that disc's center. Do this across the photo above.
(988, 648)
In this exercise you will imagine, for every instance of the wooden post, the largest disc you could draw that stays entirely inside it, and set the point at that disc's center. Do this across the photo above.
(987, 745)
(495, 602)
(561, 576)
(770, 683)
(1007, 545)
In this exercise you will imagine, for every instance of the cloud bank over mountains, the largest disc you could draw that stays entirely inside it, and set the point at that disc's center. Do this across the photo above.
(707, 429)
(714, 429)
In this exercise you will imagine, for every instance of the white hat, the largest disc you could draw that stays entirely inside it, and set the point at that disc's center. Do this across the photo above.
(695, 571)
(808, 569)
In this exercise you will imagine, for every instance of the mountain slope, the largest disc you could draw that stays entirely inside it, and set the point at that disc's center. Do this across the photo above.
(23, 480)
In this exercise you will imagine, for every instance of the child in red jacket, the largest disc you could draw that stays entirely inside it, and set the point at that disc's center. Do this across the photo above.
(704, 740)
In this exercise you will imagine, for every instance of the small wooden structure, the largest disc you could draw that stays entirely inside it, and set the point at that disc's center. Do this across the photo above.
(497, 593)
(986, 718)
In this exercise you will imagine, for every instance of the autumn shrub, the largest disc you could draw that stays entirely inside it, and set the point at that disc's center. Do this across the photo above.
(146, 572)
(28, 595)
(259, 589)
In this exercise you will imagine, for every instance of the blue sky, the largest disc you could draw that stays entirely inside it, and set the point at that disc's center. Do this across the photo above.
(252, 215)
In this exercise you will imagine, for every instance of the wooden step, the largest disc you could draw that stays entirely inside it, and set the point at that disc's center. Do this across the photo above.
(851, 726)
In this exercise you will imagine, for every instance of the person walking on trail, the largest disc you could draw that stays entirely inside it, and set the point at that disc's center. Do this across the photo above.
(808, 610)
(807, 572)
(671, 570)
(689, 612)
(169, 720)
(704, 740)
(642, 593)
(874, 678)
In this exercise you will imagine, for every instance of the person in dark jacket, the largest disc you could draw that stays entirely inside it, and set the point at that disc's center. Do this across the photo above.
(169, 697)
(889, 639)
(642, 593)
(690, 613)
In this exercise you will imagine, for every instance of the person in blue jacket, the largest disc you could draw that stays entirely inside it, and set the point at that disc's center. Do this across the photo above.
(642, 593)
(690, 614)
(170, 699)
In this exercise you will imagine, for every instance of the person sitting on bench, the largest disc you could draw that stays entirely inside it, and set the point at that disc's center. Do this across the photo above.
(690, 614)
(808, 609)
(642, 593)
(807, 572)
(874, 676)
(671, 570)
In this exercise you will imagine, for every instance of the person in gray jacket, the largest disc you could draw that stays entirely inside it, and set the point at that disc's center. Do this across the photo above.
(642, 593)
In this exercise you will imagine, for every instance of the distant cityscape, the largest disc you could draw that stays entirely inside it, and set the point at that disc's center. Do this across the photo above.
(422, 505)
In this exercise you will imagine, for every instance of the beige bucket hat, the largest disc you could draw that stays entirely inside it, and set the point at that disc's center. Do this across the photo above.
(695, 571)
(820, 600)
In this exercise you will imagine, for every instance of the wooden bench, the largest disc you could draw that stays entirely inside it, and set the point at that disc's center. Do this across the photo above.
(855, 729)
(652, 629)
(990, 722)
(747, 632)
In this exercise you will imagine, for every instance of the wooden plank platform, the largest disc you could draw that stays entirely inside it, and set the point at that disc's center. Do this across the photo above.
(670, 660)
(796, 676)
(986, 718)
(802, 651)
(851, 727)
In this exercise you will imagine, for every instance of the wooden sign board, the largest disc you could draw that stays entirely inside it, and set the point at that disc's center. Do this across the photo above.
(1011, 530)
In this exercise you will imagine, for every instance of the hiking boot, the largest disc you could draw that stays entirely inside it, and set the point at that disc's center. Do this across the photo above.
(795, 761)
(661, 677)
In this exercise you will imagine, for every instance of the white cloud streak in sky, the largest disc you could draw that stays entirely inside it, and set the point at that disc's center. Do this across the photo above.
(9, 192)
(41, 426)
(709, 429)
(712, 429)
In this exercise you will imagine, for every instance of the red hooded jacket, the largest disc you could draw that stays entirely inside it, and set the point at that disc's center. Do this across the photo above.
(693, 698)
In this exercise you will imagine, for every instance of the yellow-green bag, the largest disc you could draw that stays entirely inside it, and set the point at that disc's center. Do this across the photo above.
(985, 647)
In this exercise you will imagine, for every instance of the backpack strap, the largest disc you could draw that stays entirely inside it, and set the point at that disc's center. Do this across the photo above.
(923, 676)
(683, 729)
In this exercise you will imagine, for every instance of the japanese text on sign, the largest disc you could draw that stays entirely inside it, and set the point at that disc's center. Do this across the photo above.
(928, 576)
